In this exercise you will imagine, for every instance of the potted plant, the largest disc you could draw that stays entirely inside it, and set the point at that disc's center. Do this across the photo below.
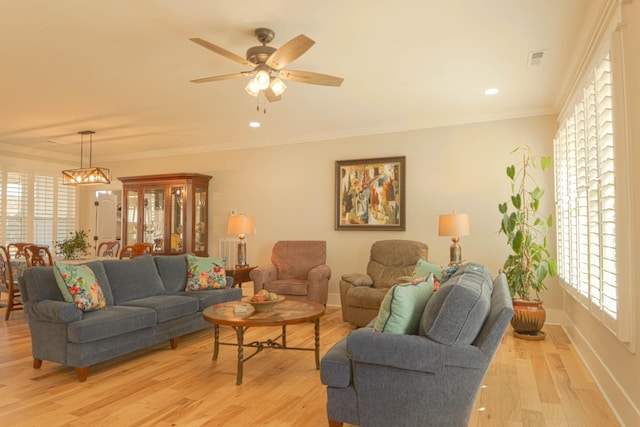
(74, 246)
(529, 263)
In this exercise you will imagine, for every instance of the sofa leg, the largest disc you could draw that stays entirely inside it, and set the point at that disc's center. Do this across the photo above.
(82, 373)
(333, 423)
(37, 363)
(174, 342)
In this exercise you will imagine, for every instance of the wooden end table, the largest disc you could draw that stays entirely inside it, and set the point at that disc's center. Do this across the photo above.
(240, 275)
(287, 312)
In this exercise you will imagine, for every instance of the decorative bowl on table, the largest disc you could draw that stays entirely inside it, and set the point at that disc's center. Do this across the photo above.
(262, 306)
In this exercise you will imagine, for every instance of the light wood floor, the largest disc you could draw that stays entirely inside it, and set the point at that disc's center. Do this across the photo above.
(529, 384)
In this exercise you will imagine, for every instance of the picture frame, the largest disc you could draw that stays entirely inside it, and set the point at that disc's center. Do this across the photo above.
(370, 194)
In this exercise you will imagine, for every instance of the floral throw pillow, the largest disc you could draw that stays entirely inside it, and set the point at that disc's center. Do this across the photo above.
(205, 273)
(79, 285)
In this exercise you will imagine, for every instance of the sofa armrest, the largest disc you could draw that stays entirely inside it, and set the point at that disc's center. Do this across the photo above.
(262, 275)
(358, 279)
(410, 352)
(55, 311)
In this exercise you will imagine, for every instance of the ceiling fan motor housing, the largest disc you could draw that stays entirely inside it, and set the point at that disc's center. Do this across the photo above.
(259, 54)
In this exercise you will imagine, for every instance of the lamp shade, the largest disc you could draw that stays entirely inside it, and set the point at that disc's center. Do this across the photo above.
(240, 224)
(454, 224)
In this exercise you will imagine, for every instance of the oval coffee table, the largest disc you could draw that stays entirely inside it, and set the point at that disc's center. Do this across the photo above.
(241, 316)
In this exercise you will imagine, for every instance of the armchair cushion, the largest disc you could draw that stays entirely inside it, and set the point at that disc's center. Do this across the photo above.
(456, 313)
(402, 307)
(294, 259)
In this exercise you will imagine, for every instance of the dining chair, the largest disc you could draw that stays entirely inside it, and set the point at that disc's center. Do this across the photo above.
(137, 249)
(8, 285)
(109, 249)
(16, 250)
(38, 255)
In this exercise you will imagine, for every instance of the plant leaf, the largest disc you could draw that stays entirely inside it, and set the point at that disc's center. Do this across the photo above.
(516, 245)
(516, 201)
(502, 207)
(511, 171)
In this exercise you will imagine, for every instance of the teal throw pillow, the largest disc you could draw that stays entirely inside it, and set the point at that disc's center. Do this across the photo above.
(424, 268)
(79, 285)
(205, 273)
(402, 307)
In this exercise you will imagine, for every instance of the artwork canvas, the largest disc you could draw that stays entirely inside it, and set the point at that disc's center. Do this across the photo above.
(370, 194)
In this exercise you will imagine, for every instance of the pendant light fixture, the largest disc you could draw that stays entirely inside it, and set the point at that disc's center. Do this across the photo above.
(90, 175)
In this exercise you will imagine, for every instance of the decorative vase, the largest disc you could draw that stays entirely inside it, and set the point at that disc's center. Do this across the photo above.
(528, 319)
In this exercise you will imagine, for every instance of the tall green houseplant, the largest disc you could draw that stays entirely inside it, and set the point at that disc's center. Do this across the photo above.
(530, 262)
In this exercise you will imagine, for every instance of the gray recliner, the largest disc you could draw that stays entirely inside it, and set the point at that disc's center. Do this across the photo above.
(430, 379)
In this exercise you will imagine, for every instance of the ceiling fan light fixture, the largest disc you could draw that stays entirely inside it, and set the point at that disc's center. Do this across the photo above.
(252, 88)
(263, 79)
(278, 86)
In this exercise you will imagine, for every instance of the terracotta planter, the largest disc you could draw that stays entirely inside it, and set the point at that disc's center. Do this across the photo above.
(528, 319)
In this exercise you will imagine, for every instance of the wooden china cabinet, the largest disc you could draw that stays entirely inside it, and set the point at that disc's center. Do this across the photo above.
(168, 211)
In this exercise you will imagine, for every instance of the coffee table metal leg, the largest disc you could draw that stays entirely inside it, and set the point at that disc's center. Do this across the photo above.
(316, 330)
(284, 336)
(216, 341)
(240, 335)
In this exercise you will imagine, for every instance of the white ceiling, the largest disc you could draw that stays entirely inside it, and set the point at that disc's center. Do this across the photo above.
(123, 68)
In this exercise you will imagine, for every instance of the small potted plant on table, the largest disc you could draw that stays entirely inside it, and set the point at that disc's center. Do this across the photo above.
(74, 246)
(529, 262)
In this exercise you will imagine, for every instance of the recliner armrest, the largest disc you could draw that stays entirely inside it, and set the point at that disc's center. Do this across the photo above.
(358, 279)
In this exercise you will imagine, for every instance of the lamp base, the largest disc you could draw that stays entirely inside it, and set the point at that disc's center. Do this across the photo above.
(241, 260)
(455, 251)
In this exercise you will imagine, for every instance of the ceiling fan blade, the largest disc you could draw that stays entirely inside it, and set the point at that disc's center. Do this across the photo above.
(222, 77)
(271, 97)
(220, 51)
(289, 52)
(309, 77)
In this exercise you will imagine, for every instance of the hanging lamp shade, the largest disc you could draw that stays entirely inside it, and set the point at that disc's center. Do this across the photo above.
(90, 175)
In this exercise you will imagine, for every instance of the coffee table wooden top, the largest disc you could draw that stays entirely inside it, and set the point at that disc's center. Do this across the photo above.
(287, 312)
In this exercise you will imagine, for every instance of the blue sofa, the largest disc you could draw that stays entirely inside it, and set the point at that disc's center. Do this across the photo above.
(428, 379)
(146, 305)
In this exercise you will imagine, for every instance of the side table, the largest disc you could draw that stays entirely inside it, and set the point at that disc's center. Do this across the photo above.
(240, 275)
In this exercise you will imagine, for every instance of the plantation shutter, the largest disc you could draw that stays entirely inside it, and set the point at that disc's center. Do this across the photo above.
(16, 210)
(43, 210)
(66, 210)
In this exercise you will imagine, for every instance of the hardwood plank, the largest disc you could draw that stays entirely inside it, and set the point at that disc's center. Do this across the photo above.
(528, 383)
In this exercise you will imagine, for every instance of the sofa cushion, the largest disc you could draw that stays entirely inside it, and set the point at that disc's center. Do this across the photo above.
(167, 307)
(456, 312)
(402, 307)
(205, 273)
(209, 297)
(110, 322)
(173, 271)
(79, 285)
(133, 278)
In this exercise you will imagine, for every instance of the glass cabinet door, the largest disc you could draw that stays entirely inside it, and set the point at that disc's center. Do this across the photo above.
(177, 219)
(131, 232)
(200, 228)
(154, 218)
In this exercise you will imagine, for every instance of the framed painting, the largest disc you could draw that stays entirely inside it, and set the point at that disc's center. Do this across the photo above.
(370, 194)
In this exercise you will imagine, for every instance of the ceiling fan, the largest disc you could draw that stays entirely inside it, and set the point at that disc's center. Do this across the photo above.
(267, 65)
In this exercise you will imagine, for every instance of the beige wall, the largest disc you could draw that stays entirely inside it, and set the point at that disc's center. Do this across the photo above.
(290, 190)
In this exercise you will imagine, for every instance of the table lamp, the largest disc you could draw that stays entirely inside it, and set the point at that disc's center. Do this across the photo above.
(454, 225)
(241, 225)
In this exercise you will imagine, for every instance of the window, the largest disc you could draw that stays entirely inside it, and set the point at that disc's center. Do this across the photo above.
(587, 208)
(35, 208)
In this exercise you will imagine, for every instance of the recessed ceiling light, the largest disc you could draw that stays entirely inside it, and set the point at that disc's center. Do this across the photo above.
(254, 124)
(491, 91)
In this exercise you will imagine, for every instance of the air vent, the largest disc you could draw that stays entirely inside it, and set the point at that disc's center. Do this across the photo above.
(535, 58)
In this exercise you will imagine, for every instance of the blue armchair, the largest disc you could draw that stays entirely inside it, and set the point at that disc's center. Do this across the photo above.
(428, 379)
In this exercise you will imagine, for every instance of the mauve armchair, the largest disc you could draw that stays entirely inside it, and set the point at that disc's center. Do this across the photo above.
(298, 271)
